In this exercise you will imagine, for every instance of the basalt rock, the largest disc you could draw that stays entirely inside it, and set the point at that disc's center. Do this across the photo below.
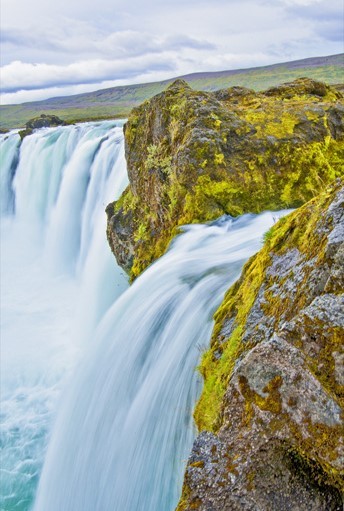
(193, 156)
(271, 412)
(44, 121)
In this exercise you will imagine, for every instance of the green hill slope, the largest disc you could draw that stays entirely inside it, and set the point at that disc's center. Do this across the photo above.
(117, 102)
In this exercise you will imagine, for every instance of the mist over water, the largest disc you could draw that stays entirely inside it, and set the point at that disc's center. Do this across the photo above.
(112, 367)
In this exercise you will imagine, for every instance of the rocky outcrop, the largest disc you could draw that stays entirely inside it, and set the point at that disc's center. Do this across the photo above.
(271, 412)
(270, 415)
(44, 121)
(193, 156)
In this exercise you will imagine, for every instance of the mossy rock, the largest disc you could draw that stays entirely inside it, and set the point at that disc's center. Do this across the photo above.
(43, 121)
(272, 407)
(193, 156)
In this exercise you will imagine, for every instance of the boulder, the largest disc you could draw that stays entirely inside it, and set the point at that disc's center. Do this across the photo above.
(271, 412)
(44, 121)
(193, 156)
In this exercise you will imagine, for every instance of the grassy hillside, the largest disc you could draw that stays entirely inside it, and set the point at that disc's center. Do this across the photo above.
(117, 102)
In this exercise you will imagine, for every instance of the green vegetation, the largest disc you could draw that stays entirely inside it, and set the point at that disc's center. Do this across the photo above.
(156, 160)
(273, 397)
(299, 230)
(44, 121)
(118, 102)
(193, 156)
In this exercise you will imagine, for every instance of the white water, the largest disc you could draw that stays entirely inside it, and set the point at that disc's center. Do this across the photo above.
(125, 428)
(9, 154)
(50, 305)
(124, 424)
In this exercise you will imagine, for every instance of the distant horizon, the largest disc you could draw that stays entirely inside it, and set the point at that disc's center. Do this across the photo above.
(92, 88)
(67, 48)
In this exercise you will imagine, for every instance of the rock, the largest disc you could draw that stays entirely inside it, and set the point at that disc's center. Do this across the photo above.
(193, 156)
(302, 86)
(234, 94)
(44, 121)
(121, 224)
(271, 411)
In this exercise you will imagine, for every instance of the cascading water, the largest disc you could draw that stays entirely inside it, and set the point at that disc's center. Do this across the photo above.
(124, 426)
(9, 155)
(58, 277)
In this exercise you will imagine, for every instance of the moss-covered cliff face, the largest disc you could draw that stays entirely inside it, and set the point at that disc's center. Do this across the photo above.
(271, 412)
(193, 156)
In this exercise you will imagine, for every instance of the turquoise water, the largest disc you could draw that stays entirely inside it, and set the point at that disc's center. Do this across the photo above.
(99, 380)
(50, 304)
(125, 429)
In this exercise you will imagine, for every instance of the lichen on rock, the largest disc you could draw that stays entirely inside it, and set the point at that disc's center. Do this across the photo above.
(271, 411)
(193, 156)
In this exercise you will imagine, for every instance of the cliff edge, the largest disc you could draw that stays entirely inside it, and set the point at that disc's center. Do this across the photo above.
(193, 156)
(271, 411)
(270, 415)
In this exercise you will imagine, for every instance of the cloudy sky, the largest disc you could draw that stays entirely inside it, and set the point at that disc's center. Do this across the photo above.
(61, 47)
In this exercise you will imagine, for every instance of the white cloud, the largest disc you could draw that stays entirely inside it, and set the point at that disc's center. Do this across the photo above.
(37, 76)
(81, 43)
(87, 41)
(301, 2)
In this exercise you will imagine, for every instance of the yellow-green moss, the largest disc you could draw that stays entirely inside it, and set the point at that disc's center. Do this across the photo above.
(269, 121)
(297, 230)
(271, 403)
(186, 503)
(156, 159)
(216, 373)
(193, 158)
(128, 201)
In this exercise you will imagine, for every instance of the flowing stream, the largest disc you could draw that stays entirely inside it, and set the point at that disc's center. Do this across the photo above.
(125, 359)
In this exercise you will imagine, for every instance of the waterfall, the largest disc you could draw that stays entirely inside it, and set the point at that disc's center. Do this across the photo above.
(58, 277)
(9, 154)
(113, 367)
(125, 428)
